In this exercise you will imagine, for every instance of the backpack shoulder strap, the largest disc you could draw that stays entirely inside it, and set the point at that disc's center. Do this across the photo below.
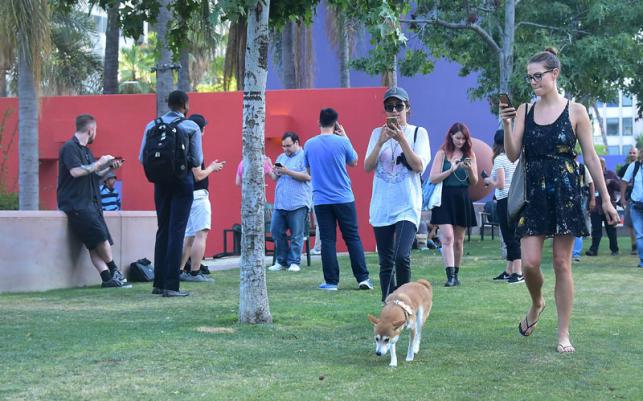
(637, 165)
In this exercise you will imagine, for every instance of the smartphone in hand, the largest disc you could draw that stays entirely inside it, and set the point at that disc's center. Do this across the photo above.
(277, 164)
(504, 98)
(391, 123)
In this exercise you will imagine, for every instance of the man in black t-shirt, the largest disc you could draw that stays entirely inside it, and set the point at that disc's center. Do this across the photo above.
(199, 222)
(78, 195)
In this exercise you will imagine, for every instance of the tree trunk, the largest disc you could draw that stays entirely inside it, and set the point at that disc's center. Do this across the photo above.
(600, 124)
(3, 83)
(184, 72)
(507, 52)
(389, 78)
(110, 68)
(304, 55)
(28, 131)
(253, 293)
(164, 78)
(344, 51)
(289, 75)
(235, 63)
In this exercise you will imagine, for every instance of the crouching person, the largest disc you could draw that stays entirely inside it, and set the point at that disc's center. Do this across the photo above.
(78, 194)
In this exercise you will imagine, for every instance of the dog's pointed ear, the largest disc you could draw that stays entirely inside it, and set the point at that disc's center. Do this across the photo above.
(373, 319)
(398, 324)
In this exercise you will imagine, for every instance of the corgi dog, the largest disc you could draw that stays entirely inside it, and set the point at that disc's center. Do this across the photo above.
(408, 306)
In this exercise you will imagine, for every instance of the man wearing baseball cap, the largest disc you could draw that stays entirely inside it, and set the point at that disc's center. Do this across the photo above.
(199, 222)
(110, 198)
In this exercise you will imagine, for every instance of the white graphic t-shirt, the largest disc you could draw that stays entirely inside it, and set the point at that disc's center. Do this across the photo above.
(397, 191)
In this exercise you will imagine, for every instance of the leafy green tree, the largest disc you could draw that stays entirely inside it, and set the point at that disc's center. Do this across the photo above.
(24, 25)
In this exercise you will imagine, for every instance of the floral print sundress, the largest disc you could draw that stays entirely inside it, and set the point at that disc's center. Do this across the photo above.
(552, 180)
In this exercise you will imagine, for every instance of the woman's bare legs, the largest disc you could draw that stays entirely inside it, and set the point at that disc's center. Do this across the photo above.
(564, 289)
(446, 237)
(532, 249)
(458, 245)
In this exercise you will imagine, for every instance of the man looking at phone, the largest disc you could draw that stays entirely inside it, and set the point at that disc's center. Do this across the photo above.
(78, 195)
(292, 202)
(327, 155)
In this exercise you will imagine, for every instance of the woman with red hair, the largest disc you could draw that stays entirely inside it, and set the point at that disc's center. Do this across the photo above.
(454, 167)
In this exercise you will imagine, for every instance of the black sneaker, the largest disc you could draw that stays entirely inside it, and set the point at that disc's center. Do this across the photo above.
(591, 253)
(502, 276)
(614, 253)
(114, 283)
(116, 274)
(516, 278)
(204, 269)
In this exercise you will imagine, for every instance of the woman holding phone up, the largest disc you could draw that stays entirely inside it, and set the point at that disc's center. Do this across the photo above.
(548, 131)
(398, 152)
(455, 167)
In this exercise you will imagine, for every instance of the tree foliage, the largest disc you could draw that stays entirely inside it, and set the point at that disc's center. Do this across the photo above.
(599, 42)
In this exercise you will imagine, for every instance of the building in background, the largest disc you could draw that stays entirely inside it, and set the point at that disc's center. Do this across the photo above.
(620, 123)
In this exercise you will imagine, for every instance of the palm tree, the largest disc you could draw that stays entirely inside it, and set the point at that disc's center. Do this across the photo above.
(234, 66)
(164, 76)
(26, 26)
(72, 67)
(341, 32)
(112, 37)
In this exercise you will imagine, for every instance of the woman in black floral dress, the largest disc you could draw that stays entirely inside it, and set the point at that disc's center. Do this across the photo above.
(548, 130)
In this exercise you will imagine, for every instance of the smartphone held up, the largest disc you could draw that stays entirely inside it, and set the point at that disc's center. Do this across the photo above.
(391, 123)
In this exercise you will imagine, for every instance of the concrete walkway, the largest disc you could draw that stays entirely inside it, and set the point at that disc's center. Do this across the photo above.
(232, 262)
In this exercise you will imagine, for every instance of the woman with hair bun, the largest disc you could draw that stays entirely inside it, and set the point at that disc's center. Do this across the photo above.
(455, 167)
(547, 131)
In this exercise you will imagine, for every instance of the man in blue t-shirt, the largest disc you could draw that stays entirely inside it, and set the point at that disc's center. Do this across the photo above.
(327, 155)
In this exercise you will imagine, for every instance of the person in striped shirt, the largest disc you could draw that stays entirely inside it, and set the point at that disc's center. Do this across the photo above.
(501, 175)
(110, 198)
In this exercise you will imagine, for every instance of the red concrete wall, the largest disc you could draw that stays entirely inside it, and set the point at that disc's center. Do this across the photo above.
(122, 118)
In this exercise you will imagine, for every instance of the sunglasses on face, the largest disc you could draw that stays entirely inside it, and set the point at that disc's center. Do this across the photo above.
(537, 77)
(389, 107)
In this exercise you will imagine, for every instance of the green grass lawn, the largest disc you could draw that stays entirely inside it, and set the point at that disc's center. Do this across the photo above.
(126, 344)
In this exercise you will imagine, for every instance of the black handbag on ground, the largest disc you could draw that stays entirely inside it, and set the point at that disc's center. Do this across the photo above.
(141, 271)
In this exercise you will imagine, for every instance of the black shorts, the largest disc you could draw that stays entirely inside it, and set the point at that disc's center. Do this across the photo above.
(89, 226)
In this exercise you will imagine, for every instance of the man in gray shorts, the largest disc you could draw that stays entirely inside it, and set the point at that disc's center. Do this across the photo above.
(199, 222)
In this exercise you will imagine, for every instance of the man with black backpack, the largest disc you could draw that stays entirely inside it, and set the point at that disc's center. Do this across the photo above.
(170, 148)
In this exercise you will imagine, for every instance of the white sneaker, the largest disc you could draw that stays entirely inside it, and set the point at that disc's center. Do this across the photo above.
(294, 268)
(276, 267)
(315, 251)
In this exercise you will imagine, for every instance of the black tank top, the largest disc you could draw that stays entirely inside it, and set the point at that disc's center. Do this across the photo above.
(203, 184)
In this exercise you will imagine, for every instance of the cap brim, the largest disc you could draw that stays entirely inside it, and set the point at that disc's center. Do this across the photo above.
(402, 98)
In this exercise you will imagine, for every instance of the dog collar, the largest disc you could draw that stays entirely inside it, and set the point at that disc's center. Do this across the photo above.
(407, 309)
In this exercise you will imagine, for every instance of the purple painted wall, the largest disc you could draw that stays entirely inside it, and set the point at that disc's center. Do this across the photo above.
(437, 100)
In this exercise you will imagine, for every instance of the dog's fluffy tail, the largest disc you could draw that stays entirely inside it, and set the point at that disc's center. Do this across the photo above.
(425, 283)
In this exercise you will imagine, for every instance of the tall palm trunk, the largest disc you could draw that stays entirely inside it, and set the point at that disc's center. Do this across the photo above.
(253, 293)
(288, 56)
(3, 82)
(110, 68)
(28, 129)
(506, 54)
(344, 51)
(164, 78)
(234, 66)
(184, 72)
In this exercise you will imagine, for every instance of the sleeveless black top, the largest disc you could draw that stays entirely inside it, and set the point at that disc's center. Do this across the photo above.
(552, 177)
(203, 184)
